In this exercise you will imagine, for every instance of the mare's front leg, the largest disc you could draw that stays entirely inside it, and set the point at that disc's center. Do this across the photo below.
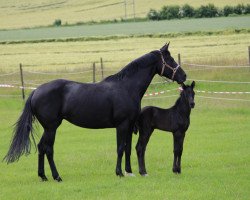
(144, 135)
(178, 148)
(128, 169)
(121, 134)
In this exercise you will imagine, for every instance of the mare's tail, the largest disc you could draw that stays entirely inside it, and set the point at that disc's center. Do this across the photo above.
(23, 128)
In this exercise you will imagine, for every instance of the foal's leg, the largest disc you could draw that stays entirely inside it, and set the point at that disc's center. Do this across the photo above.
(128, 169)
(121, 132)
(144, 135)
(178, 148)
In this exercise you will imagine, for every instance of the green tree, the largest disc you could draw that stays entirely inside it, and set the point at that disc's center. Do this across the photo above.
(170, 12)
(187, 11)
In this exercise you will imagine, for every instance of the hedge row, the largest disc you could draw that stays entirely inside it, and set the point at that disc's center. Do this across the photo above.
(210, 10)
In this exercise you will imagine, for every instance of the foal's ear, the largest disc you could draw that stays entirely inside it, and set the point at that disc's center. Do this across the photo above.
(165, 47)
(193, 84)
(183, 86)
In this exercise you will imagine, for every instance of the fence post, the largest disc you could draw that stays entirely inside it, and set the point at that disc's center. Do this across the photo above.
(249, 55)
(94, 72)
(179, 59)
(125, 7)
(22, 82)
(102, 69)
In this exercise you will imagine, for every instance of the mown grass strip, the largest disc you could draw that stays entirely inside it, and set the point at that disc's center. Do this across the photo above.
(160, 35)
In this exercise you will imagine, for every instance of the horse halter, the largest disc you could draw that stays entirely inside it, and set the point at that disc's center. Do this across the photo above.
(164, 64)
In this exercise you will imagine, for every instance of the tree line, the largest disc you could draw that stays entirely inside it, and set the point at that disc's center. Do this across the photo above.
(187, 11)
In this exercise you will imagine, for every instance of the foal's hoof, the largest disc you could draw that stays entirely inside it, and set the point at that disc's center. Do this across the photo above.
(144, 175)
(43, 178)
(143, 172)
(129, 174)
(58, 179)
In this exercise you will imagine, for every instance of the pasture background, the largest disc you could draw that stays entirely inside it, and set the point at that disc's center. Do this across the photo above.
(20, 14)
(216, 157)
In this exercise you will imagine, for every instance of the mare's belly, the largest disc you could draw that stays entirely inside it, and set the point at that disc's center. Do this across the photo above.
(90, 114)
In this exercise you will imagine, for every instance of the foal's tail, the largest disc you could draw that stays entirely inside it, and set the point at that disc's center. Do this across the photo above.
(136, 128)
(23, 127)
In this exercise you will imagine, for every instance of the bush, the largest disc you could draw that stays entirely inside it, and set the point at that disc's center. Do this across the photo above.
(57, 22)
(247, 9)
(228, 10)
(207, 11)
(170, 12)
(239, 9)
(153, 15)
(187, 11)
(210, 10)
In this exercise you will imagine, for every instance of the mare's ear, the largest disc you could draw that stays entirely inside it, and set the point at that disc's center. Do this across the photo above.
(193, 84)
(183, 86)
(165, 47)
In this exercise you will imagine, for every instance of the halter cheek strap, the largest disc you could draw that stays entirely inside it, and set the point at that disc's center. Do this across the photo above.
(164, 65)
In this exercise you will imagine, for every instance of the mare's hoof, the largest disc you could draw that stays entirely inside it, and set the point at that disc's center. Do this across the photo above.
(120, 174)
(176, 170)
(58, 179)
(129, 174)
(43, 178)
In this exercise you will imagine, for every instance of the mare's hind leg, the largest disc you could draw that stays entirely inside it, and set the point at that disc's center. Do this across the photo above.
(178, 148)
(49, 145)
(41, 153)
(144, 135)
(45, 146)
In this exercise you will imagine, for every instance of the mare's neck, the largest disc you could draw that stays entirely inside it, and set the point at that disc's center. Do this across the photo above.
(137, 83)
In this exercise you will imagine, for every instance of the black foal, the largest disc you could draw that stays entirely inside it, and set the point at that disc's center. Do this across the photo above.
(175, 119)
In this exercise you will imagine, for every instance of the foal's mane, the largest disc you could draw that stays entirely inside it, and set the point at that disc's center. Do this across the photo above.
(180, 98)
(134, 66)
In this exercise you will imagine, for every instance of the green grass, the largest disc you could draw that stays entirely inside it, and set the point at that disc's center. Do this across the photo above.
(42, 13)
(215, 159)
(137, 28)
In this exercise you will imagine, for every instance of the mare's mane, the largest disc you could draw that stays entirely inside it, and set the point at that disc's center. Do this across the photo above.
(134, 66)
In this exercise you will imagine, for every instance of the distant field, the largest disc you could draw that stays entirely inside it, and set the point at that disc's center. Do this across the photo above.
(20, 14)
(231, 49)
(138, 28)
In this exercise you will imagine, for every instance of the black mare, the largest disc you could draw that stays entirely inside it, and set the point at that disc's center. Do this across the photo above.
(175, 119)
(114, 102)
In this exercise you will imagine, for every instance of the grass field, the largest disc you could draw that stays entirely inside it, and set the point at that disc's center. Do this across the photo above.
(215, 160)
(19, 14)
(124, 29)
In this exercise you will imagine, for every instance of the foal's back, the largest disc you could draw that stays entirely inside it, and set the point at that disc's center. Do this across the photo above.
(152, 117)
